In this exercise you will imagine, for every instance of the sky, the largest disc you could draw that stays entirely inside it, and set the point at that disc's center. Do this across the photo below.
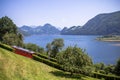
(59, 13)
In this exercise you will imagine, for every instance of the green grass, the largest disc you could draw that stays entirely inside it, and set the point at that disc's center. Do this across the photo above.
(16, 67)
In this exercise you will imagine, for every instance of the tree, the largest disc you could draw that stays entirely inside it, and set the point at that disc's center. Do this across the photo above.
(99, 66)
(49, 49)
(74, 60)
(109, 69)
(117, 67)
(12, 39)
(34, 47)
(57, 45)
(7, 26)
(9, 33)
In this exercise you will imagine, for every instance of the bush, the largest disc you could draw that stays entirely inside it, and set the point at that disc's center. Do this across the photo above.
(46, 57)
(48, 62)
(106, 77)
(87, 70)
(102, 71)
(6, 47)
(117, 68)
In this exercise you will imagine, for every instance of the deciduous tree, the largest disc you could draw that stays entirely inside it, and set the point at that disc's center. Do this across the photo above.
(74, 60)
(9, 33)
(56, 46)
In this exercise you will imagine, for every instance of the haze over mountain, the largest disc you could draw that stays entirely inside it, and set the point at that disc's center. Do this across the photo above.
(102, 24)
(39, 30)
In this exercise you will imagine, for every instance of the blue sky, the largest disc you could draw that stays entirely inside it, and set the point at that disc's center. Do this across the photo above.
(60, 13)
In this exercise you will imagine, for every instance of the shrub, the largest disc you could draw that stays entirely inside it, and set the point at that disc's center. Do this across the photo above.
(117, 68)
(46, 57)
(48, 62)
(102, 71)
(106, 77)
(6, 47)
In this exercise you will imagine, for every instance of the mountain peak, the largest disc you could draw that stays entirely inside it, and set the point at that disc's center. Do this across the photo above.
(47, 24)
(25, 26)
(46, 29)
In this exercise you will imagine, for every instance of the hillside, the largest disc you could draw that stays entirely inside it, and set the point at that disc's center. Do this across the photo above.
(16, 67)
(38, 30)
(102, 24)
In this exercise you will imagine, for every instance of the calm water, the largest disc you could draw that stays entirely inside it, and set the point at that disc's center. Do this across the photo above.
(106, 52)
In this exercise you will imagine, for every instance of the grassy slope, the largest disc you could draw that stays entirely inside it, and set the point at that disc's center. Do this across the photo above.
(16, 67)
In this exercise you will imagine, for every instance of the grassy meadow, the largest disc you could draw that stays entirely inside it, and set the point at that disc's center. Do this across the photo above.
(16, 67)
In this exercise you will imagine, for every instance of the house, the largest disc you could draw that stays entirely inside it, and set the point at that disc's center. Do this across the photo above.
(23, 52)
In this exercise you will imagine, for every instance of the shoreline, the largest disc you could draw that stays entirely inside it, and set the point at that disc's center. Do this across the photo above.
(110, 40)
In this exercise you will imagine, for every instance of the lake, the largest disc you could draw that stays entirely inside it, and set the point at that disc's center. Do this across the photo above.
(106, 52)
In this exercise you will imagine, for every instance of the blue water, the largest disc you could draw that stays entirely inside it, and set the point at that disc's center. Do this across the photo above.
(99, 51)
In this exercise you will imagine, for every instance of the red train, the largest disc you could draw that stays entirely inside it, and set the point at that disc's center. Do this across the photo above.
(23, 52)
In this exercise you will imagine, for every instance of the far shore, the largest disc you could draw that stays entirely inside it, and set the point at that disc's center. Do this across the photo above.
(110, 40)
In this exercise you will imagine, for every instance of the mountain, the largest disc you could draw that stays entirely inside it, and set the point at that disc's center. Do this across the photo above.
(25, 30)
(47, 29)
(39, 30)
(102, 24)
(70, 31)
